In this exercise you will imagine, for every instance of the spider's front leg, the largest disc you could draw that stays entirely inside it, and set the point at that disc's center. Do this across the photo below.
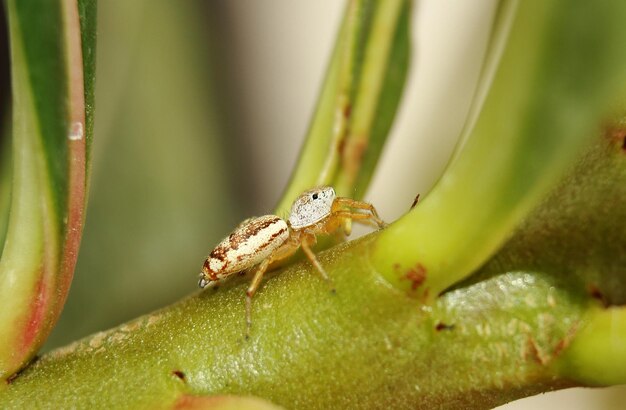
(309, 240)
(341, 208)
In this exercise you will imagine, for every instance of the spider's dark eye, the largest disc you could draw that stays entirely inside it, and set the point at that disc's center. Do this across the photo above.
(314, 196)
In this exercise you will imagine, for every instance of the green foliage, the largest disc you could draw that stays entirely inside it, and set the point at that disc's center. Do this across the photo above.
(358, 101)
(507, 280)
(545, 102)
(48, 175)
(369, 343)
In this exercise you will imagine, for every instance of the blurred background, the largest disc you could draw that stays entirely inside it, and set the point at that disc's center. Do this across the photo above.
(201, 110)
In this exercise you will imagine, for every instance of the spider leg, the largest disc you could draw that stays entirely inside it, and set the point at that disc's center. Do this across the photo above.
(288, 249)
(254, 285)
(352, 203)
(361, 217)
(306, 243)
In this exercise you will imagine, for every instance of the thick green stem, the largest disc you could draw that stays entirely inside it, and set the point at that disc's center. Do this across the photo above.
(598, 353)
(309, 346)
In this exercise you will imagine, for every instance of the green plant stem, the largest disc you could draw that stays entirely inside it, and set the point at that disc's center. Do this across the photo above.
(310, 346)
(598, 353)
(562, 67)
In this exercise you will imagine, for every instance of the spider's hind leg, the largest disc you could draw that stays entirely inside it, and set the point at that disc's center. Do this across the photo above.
(283, 252)
(254, 285)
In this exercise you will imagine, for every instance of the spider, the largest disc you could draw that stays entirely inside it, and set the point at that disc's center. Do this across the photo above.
(261, 241)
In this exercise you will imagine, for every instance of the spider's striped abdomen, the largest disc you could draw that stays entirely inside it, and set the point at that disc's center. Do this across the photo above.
(249, 244)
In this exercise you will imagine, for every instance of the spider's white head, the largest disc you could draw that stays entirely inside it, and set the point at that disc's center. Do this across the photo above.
(312, 206)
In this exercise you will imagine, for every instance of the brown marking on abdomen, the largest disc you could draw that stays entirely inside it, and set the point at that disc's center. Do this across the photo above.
(206, 269)
(251, 229)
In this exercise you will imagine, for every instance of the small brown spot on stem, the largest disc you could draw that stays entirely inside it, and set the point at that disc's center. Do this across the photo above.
(179, 374)
(560, 347)
(597, 294)
(415, 201)
(17, 374)
(341, 146)
(442, 326)
(417, 276)
(618, 134)
(567, 339)
(347, 110)
(352, 155)
(535, 352)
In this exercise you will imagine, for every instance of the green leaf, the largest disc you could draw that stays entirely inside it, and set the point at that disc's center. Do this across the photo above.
(51, 85)
(597, 355)
(5, 183)
(358, 101)
(562, 67)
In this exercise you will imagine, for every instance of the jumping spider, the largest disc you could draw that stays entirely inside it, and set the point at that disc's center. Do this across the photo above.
(263, 240)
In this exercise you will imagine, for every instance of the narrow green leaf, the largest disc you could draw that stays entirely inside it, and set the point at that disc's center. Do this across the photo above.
(5, 183)
(24, 263)
(87, 15)
(562, 66)
(358, 101)
(319, 157)
(376, 97)
(49, 170)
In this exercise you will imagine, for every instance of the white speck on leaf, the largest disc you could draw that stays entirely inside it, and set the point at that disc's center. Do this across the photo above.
(76, 131)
